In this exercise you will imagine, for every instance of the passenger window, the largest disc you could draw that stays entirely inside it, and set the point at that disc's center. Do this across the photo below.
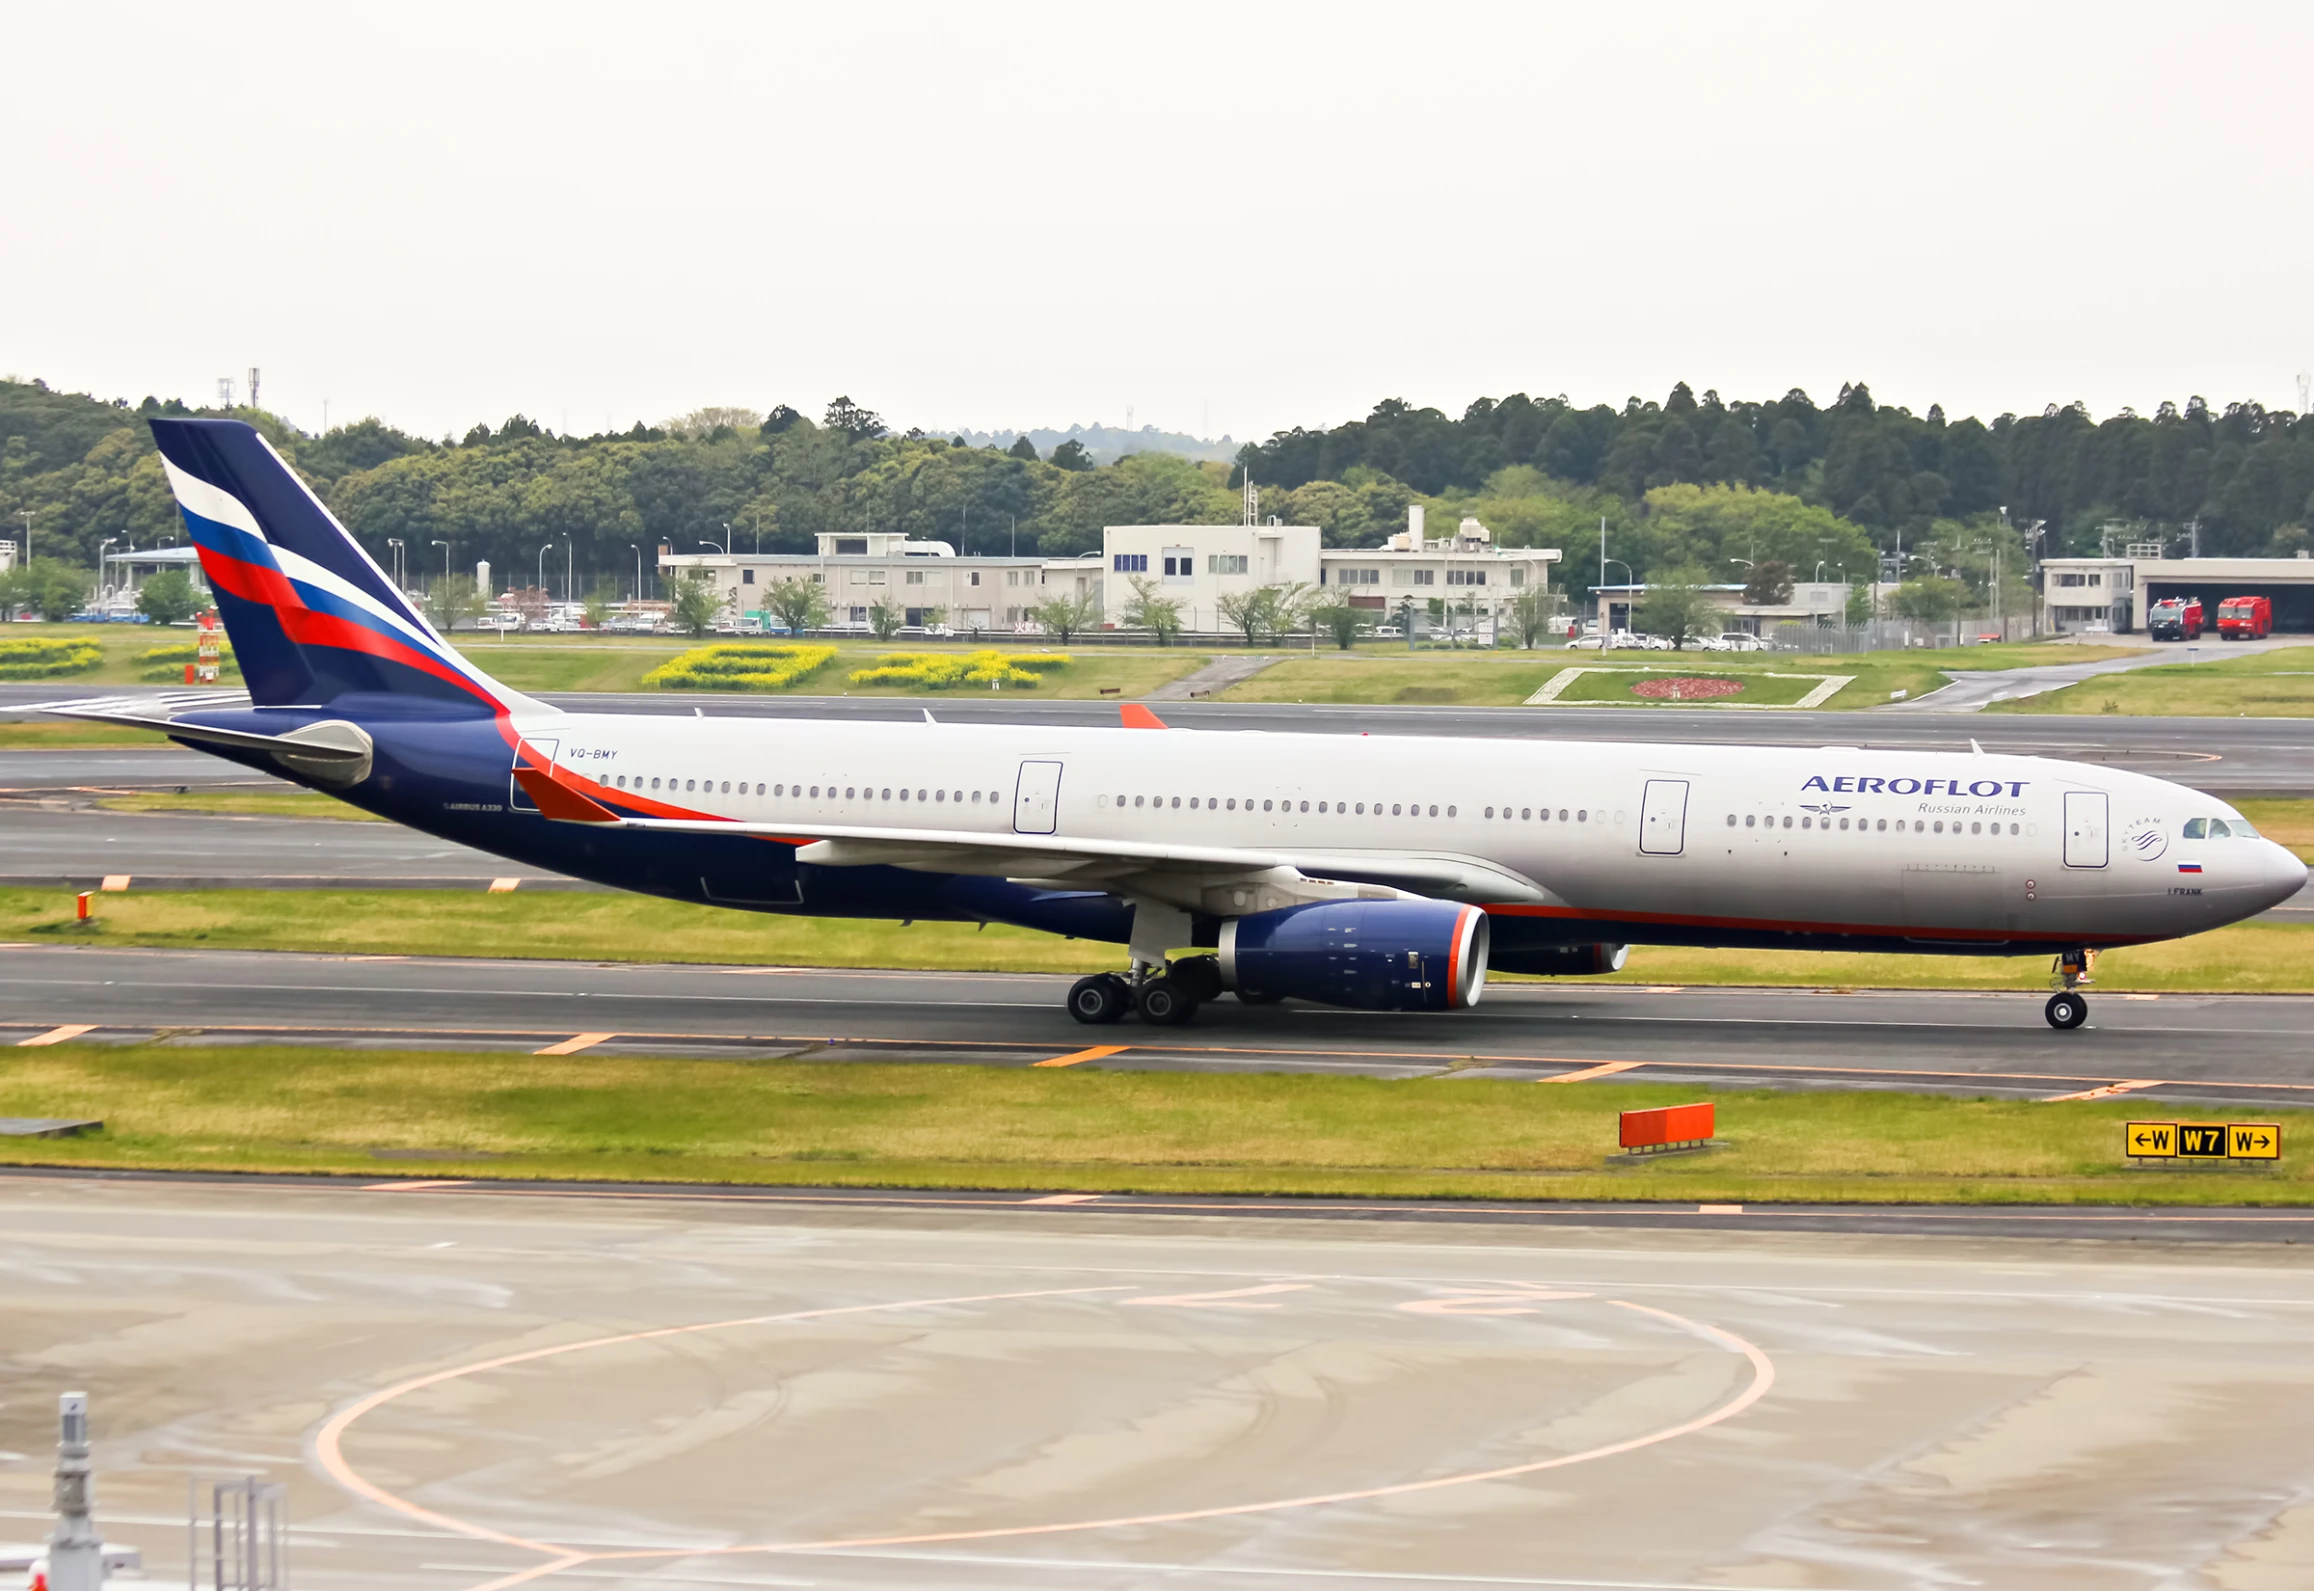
(1361, 809)
(1750, 819)
(1805, 822)
(1265, 806)
(1490, 812)
(1562, 814)
(1450, 812)
(2196, 829)
(1394, 809)
(1233, 803)
(1434, 811)
(1883, 825)
(976, 795)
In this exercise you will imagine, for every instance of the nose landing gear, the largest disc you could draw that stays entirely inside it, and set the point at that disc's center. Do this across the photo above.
(2068, 1008)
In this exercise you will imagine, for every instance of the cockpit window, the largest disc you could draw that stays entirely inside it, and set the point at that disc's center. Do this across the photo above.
(2196, 829)
(2231, 826)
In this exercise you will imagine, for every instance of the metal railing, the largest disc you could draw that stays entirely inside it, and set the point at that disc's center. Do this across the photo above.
(236, 1535)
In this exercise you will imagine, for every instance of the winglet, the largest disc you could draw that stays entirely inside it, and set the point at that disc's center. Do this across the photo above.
(1138, 717)
(559, 801)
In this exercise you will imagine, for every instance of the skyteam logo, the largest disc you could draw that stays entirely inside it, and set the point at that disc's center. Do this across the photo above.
(1854, 784)
(2145, 839)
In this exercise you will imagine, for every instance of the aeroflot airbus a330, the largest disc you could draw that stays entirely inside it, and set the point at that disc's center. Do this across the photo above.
(1359, 871)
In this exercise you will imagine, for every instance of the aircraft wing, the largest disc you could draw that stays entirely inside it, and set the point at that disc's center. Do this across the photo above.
(1223, 879)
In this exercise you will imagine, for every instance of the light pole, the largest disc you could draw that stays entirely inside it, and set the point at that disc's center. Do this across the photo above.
(103, 586)
(26, 515)
(542, 546)
(718, 546)
(569, 570)
(445, 546)
(401, 579)
(638, 552)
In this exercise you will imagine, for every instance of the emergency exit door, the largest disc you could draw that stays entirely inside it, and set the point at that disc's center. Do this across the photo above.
(1036, 798)
(1663, 817)
(2085, 822)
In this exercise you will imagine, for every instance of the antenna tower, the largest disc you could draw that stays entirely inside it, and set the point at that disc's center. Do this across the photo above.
(224, 392)
(253, 386)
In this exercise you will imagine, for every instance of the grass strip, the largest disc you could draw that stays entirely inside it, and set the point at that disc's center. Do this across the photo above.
(265, 1109)
(2273, 684)
(289, 803)
(2248, 958)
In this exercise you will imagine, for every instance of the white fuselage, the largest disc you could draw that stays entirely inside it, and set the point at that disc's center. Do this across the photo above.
(1676, 843)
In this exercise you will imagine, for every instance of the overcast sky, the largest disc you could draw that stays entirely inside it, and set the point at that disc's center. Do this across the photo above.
(1236, 218)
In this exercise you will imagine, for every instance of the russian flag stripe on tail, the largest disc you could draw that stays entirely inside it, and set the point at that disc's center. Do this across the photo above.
(311, 616)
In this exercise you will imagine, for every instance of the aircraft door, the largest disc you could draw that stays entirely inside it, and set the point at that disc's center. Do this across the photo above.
(2085, 826)
(530, 753)
(1036, 798)
(1663, 817)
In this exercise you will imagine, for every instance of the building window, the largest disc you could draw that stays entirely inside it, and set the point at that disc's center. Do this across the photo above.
(915, 577)
(1466, 577)
(747, 577)
(1180, 563)
(1426, 577)
(972, 577)
(1357, 577)
(1130, 563)
(1225, 563)
(851, 546)
(1518, 574)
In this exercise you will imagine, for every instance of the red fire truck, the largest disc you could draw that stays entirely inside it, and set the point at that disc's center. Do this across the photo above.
(2175, 619)
(2245, 618)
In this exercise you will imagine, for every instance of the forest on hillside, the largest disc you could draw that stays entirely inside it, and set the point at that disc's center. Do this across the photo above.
(1692, 484)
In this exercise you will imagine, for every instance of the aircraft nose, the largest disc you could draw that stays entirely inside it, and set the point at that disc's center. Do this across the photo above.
(2282, 877)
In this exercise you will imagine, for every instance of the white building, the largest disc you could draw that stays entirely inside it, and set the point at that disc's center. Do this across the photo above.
(919, 578)
(1471, 578)
(1813, 602)
(2112, 595)
(7, 556)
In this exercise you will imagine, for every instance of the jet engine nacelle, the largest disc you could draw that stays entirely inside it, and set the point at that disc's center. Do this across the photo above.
(1394, 955)
(1564, 961)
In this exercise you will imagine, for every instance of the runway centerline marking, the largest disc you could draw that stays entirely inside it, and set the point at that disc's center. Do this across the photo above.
(1079, 1057)
(575, 1043)
(57, 1035)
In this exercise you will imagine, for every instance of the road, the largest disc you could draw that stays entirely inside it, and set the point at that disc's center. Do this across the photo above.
(653, 1389)
(2243, 1050)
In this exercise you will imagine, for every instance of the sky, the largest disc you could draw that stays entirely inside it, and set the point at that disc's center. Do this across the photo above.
(1220, 218)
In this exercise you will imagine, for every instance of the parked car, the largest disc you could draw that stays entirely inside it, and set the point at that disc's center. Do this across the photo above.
(1741, 641)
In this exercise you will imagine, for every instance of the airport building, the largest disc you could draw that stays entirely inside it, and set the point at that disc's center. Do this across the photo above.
(2108, 595)
(1201, 565)
(1816, 603)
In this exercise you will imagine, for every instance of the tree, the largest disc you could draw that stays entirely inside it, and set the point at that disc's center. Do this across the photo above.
(1932, 599)
(697, 606)
(168, 597)
(1677, 608)
(599, 603)
(452, 600)
(861, 425)
(1247, 611)
(1071, 455)
(1530, 614)
(1150, 609)
(1066, 616)
(1769, 584)
(885, 618)
(1340, 620)
(800, 605)
(1022, 448)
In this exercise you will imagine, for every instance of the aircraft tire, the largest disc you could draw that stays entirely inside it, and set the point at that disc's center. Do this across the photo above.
(1166, 1006)
(1099, 999)
(2066, 1011)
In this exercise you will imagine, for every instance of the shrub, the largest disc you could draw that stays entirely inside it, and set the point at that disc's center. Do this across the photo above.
(741, 667)
(940, 671)
(36, 659)
(166, 664)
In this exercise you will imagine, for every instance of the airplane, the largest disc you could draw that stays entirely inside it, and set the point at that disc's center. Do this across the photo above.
(1361, 871)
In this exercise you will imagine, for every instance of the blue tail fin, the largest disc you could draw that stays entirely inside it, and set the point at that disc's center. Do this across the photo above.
(311, 617)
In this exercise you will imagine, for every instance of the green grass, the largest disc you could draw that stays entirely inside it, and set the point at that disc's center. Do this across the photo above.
(872, 1125)
(2276, 684)
(618, 663)
(241, 804)
(1619, 687)
(62, 734)
(2244, 959)
(1383, 674)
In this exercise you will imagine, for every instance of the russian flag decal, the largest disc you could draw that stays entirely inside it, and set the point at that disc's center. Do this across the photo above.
(2189, 867)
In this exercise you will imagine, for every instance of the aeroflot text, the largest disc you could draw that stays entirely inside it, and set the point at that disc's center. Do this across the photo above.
(1850, 784)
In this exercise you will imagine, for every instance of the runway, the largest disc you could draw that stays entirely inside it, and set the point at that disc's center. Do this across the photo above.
(2241, 1050)
(467, 1391)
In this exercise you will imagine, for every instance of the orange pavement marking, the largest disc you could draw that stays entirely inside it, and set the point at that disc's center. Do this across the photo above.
(406, 1187)
(1603, 1069)
(71, 1030)
(114, 883)
(2108, 1091)
(1064, 1198)
(574, 1044)
(1078, 1057)
(1719, 1209)
(504, 886)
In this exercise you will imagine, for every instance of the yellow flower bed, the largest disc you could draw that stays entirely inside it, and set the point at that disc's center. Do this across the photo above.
(940, 671)
(742, 667)
(37, 659)
(160, 664)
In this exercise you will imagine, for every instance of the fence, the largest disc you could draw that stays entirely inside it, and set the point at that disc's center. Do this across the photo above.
(238, 1542)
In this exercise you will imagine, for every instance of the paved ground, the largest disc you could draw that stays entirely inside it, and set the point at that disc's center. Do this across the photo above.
(1973, 692)
(467, 1391)
(2244, 1049)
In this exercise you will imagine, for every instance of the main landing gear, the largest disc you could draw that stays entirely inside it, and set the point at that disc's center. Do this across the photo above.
(2068, 1008)
(1167, 999)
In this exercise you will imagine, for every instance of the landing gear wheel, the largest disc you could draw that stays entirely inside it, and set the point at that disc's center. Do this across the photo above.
(1165, 1005)
(2066, 1011)
(1101, 998)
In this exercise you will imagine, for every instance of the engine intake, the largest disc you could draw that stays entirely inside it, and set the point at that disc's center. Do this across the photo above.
(1397, 955)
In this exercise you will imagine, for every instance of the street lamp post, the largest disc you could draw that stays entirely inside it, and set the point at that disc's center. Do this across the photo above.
(718, 546)
(26, 515)
(103, 586)
(542, 546)
(445, 546)
(638, 552)
(401, 579)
